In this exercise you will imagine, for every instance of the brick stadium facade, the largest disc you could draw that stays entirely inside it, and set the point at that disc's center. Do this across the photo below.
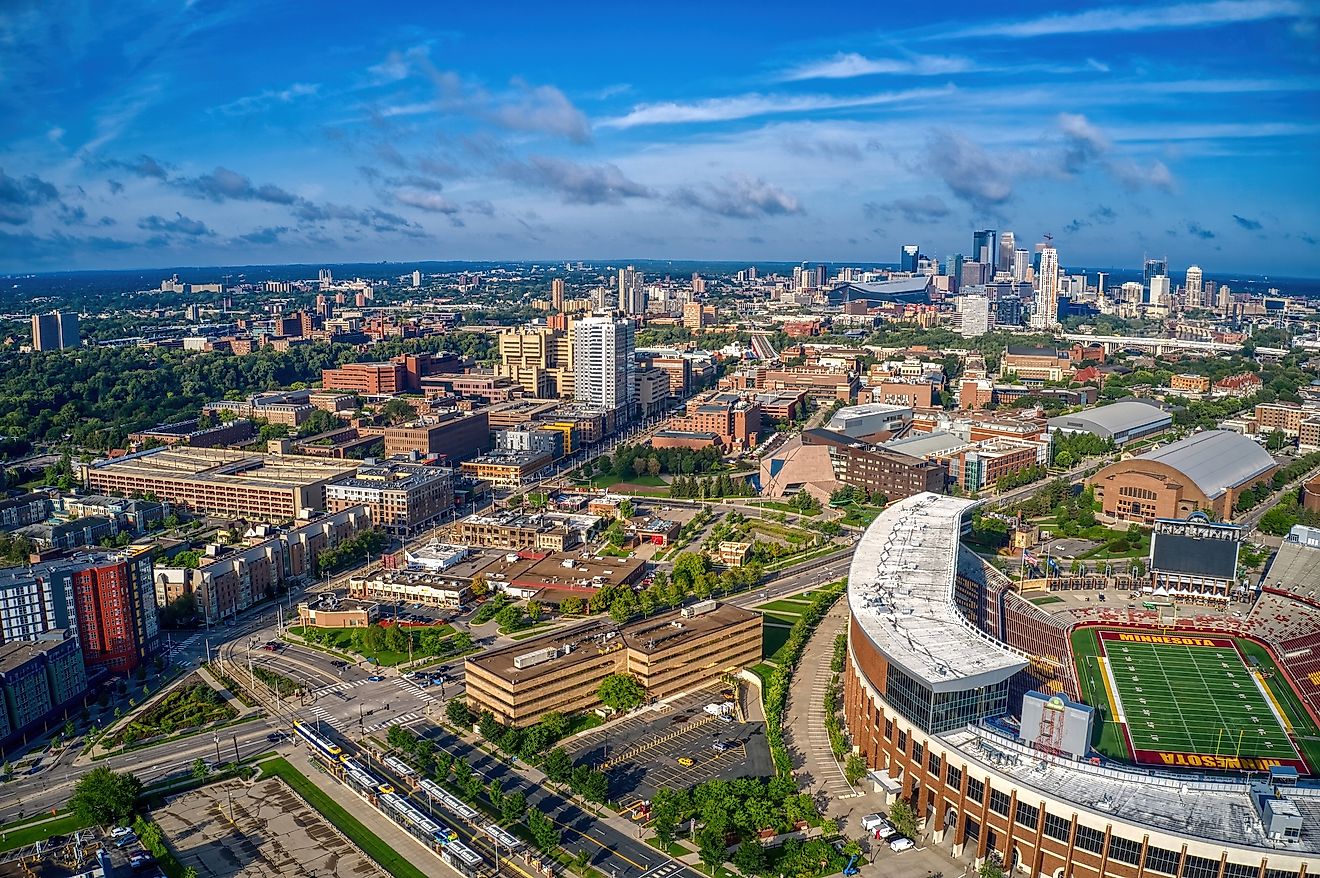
(922, 704)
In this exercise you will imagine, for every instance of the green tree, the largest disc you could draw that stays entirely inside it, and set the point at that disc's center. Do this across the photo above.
(621, 692)
(572, 605)
(710, 848)
(199, 769)
(543, 830)
(513, 807)
(663, 826)
(558, 765)
(534, 610)
(458, 713)
(993, 866)
(903, 818)
(102, 797)
(854, 769)
(395, 639)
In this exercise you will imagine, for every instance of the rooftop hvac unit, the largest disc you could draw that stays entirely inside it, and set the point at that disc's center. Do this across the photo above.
(698, 609)
(529, 659)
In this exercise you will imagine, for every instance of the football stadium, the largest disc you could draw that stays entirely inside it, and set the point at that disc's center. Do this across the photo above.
(1119, 725)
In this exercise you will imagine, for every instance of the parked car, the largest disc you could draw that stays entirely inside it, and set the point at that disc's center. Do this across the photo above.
(871, 821)
(686, 761)
(900, 844)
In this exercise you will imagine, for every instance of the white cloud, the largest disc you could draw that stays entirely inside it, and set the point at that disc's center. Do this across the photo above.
(269, 98)
(847, 65)
(1139, 18)
(749, 105)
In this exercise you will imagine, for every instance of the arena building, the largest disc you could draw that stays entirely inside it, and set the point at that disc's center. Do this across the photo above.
(941, 653)
(1123, 421)
(1206, 472)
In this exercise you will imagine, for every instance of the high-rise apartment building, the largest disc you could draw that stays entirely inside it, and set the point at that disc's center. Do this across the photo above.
(116, 605)
(907, 258)
(1192, 288)
(417, 279)
(557, 294)
(985, 247)
(604, 364)
(1047, 289)
(975, 314)
(56, 331)
(632, 292)
(1007, 245)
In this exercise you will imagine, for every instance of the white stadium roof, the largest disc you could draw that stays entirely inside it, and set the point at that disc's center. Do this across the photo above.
(900, 591)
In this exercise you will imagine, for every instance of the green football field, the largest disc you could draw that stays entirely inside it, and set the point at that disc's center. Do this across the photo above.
(1104, 691)
(1185, 701)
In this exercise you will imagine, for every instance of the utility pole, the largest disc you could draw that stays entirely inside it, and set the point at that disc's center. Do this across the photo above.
(217, 749)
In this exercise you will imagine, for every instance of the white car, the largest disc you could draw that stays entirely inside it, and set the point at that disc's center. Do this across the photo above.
(901, 844)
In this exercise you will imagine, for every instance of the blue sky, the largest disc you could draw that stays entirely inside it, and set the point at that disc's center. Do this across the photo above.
(239, 132)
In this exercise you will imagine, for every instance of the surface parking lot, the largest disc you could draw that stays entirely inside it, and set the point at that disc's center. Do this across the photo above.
(641, 754)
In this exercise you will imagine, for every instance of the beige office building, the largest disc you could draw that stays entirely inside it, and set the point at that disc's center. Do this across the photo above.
(675, 652)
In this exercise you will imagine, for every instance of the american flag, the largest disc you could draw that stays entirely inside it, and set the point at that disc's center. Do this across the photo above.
(1029, 558)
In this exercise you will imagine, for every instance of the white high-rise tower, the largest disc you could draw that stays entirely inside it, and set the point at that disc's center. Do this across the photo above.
(604, 366)
(1047, 290)
(1192, 288)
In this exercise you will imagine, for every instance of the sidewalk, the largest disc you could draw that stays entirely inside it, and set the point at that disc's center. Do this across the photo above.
(804, 725)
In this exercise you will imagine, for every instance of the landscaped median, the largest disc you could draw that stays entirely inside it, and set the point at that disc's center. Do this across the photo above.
(368, 842)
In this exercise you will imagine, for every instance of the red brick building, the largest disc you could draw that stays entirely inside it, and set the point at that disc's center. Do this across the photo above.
(114, 597)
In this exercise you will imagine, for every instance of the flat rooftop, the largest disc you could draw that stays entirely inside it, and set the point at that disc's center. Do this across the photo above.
(590, 640)
(1197, 810)
(900, 590)
(223, 466)
(395, 476)
(14, 655)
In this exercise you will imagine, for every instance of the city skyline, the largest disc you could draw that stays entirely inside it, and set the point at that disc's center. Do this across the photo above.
(1185, 129)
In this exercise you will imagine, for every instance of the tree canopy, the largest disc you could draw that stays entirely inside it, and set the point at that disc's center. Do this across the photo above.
(104, 797)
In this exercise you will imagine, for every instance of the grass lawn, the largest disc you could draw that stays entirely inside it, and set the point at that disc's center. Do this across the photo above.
(580, 722)
(763, 671)
(25, 832)
(783, 617)
(861, 517)
(600, 480)
(786, 605)
(532, 631)
(773, 637)
(674, 850)
(1041, 600)
(782, 507)
(392, 861)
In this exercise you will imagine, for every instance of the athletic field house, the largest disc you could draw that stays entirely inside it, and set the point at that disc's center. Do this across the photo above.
(1090, 725)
